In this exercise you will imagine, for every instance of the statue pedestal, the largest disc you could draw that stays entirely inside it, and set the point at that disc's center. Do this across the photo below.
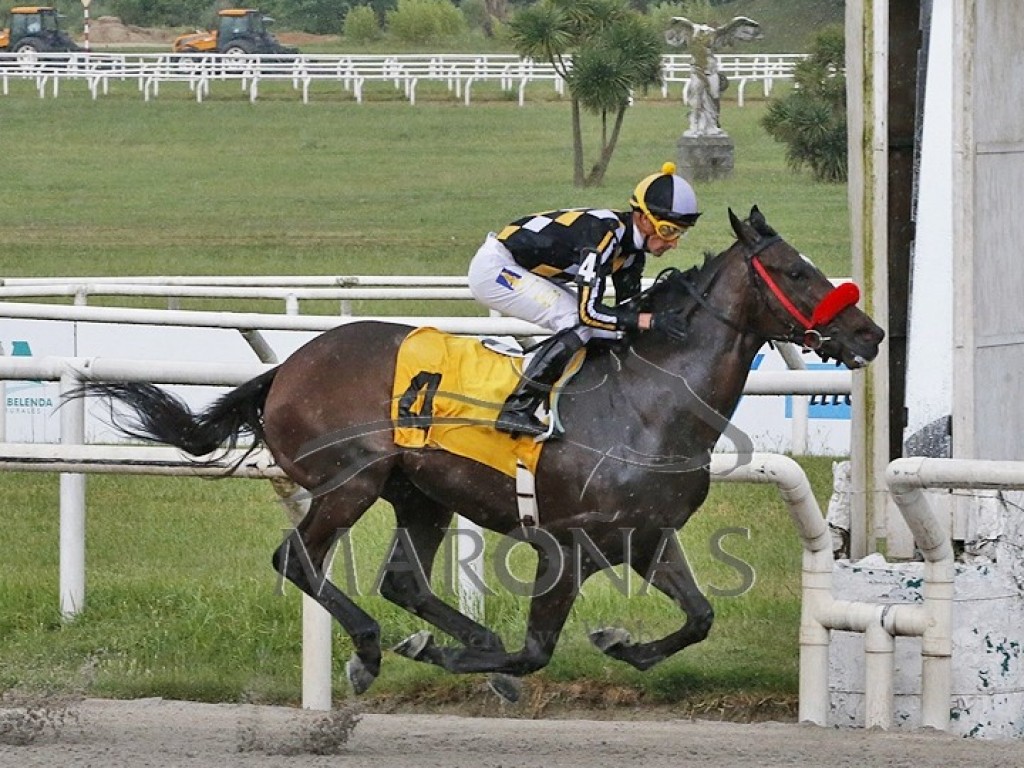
(702, 158)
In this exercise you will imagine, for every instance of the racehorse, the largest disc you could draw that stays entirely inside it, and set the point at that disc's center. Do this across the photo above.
(623, 480)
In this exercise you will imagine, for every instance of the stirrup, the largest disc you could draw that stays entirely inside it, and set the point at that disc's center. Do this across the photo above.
(518, 423)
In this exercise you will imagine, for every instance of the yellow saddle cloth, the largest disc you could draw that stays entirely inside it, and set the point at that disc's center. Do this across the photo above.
(448, 391)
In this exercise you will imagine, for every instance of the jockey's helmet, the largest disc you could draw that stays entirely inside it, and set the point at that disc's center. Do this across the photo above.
(667, 197)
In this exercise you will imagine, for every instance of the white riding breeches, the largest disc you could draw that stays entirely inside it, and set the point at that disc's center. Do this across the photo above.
(496, 281)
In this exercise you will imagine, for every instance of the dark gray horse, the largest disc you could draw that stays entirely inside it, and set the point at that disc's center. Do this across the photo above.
(622, 481)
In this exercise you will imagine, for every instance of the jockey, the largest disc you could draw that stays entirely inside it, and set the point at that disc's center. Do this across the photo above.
(551, 269)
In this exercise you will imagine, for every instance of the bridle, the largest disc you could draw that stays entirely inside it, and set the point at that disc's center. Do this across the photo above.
(805, 330)
(801, 329)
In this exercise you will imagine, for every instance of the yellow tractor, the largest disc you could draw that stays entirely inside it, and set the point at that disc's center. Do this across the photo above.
(35, 28)
(239, 30)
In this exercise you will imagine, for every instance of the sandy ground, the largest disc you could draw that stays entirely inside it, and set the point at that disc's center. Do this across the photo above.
(110, 31)
(154, 733)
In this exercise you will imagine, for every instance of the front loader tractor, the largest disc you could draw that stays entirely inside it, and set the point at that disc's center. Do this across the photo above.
(35, 28)
(239, 31)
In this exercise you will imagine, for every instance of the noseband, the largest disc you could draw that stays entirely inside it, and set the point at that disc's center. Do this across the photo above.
(807, 334)
(804, 331)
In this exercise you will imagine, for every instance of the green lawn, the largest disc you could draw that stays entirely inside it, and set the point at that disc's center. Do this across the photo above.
(182, 602)
(119, 186)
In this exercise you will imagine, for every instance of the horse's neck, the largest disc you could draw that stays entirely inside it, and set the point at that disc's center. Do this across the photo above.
(703, 374)
(715, 360)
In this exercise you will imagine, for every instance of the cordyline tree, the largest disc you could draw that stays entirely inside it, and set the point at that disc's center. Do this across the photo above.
(605, 51)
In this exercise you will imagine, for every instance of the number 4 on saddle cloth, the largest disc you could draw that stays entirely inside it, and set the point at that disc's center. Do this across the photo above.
(447, 393)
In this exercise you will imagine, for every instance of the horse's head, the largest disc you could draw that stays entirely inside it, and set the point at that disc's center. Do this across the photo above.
(763, 286)
(797, 303)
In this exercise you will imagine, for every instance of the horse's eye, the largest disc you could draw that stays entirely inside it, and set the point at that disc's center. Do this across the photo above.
(797, 273)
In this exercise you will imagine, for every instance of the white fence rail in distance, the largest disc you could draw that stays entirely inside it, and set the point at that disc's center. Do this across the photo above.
(306, 73)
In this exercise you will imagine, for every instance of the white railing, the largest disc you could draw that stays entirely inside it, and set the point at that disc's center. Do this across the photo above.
(73, 459)
(350, 73)
(821, 611)
(292, 289)
(740, 69)
(342, 281)
(255, 321)
(291, 297)
(289, 289)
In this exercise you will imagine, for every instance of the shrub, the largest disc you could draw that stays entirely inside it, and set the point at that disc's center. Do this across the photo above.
(811, 119)
(475, 12)
(425, 21)
(361, 25)
(155, 13)
(319, 17)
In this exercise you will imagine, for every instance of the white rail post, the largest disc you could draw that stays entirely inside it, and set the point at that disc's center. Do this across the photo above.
(316, 621)
(906, 479)
(471, 557)
(937, 645)
(879, 649)
(813, 699)
(72, 508)
(801, 403)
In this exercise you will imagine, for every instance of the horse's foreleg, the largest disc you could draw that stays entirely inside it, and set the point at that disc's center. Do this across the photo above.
(667, 570)
(549, 609)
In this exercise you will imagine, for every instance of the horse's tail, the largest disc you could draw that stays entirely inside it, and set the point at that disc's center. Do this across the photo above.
(158, 416)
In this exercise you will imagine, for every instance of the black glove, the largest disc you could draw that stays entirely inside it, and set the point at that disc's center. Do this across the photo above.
(670, 324)
(629, 319)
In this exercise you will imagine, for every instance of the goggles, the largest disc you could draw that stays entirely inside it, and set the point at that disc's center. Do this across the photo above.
(666, 230)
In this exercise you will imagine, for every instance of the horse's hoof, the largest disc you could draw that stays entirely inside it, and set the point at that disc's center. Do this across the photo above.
(507, 688)
(358, 675)
(414, 645)
(610, 637)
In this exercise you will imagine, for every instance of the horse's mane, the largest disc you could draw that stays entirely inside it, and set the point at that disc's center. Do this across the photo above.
(674, 288)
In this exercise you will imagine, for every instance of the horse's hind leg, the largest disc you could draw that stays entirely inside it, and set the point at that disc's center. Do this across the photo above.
(422, 525)
(666, 567)
(555, 591)
(301, 558)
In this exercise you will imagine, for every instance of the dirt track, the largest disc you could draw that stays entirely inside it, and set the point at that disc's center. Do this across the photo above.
(158, 733)
(110, 31)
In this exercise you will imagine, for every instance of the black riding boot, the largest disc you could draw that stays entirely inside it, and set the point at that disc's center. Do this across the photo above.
(518, 414)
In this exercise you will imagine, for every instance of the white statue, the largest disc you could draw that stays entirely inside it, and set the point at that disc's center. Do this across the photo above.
(706, 84)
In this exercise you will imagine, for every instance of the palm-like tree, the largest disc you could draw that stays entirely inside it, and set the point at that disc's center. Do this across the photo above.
(604, 51)
(811, 119)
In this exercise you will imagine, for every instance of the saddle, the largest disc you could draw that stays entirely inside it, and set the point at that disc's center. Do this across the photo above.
(447, 393)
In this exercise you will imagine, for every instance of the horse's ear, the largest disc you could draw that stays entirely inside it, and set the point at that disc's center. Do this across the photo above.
(760, 224)
(737, 225)
(743, 231)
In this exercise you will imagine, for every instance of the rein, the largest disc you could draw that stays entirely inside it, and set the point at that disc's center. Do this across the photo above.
(708, 307)
(805, 330)
(809, 337)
